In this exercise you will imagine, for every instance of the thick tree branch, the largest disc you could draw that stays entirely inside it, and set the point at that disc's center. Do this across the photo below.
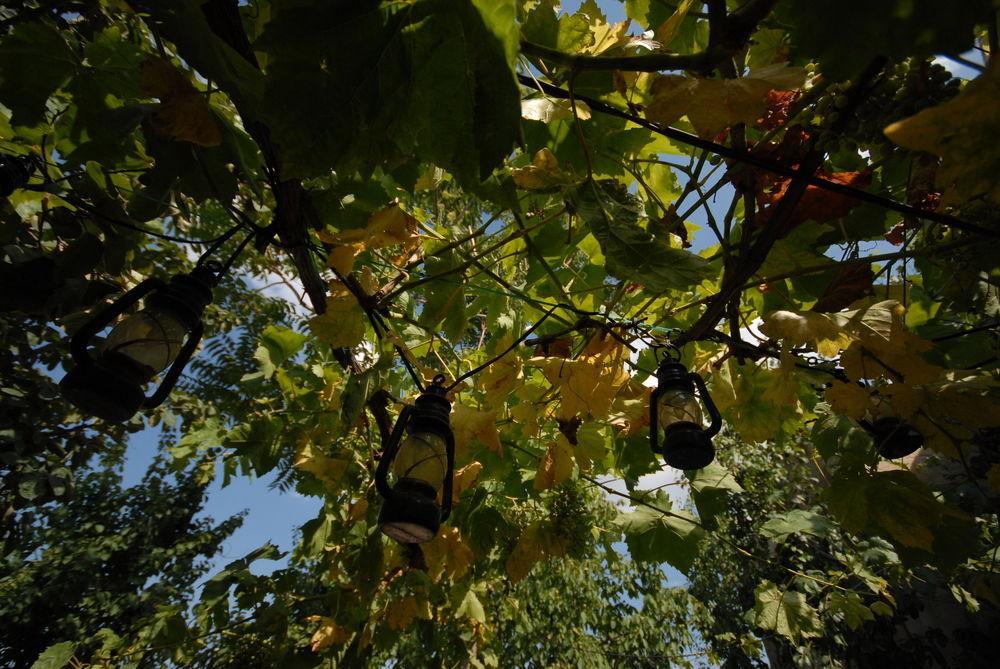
(747, 264)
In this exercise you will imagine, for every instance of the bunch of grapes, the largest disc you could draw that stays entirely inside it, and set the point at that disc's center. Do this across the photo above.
(573, 515)
(907, 88)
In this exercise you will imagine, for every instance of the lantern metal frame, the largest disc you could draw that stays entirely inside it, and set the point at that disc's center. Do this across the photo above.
(415, 501)
(671, 374)
(185, 296)
(15, 171)
(894, 438)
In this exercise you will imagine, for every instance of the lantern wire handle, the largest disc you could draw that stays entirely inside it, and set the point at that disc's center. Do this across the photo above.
(667, 351)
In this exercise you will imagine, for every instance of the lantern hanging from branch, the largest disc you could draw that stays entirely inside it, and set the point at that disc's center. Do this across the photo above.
(675, 409)
(421, 454)
(893, 437)
(109, 378)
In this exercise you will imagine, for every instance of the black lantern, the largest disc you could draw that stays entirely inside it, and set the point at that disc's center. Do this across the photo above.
(109, 377)
(675, 408)
(14, 173)
(893, 437)
(423, 462)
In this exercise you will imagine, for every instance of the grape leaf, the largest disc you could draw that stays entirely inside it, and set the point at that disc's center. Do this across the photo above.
(796, 521)
(786, 613)
(556, 466)
(654, 535)
(36, 61)
(55, 656)
(630, 252)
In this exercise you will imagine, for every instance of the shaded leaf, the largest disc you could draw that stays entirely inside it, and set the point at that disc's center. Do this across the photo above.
(796, 521)
(786, 613)
(632, 253)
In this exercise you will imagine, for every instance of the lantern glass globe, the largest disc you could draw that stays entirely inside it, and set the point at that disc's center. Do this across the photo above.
(678, 406)
(422, 457)
(151, 338)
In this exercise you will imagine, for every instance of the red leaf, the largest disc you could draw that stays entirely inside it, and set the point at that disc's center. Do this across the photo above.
(778, 105)
(851, 284)
(817, 204)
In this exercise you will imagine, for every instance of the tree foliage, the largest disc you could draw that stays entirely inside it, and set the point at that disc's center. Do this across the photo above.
(428, 181)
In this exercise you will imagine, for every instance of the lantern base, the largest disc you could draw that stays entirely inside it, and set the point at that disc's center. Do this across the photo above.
(687, 446)
(895, 439)
(411, 515)
(100, 391)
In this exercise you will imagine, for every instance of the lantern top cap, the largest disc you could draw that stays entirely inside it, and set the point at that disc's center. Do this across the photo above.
(436, 386)
(672, 372)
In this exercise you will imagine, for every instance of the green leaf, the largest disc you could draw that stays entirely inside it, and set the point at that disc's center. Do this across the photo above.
(661, 536)
(565, 32)
(797, 521)
(471, 607)
(630, 252)
(785, 613)
(710, 487)
(35, 61)
(56, 656)
(259, 442)
(849, 606)
(445, 297)
(847, 498)
(892, 28)
(408, 79)
(281, 343)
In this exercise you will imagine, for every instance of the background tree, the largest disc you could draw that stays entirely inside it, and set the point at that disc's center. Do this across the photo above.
(105, 561)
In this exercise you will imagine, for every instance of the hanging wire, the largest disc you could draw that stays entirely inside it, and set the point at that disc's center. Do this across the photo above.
(517, 342)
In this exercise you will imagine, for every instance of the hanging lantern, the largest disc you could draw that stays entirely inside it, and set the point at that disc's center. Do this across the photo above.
(675, 409)
(894, 438)
(109, 377)
(14, 173)
(422, 463)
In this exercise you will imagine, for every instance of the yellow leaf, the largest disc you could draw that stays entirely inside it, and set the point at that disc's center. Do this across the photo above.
(469, 424)
(548, 110)
(963, 133)
(386, 227)
(465, 478)
(536, 543)
(884, 347)
(328, 634)
(586, 387)
(904, 399)
(543, 173)
(357, 510)
(401, 613)
(343, 323)
(499, 380)
(740, 392)
(848, 399)
(329, 470)
(341, 258)
(525, 416)
(447, 555)
(665, 33)
(556, 465)
(784, 384)
(712, 105)
(183, 113)
(966, 401)
(799, 328)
